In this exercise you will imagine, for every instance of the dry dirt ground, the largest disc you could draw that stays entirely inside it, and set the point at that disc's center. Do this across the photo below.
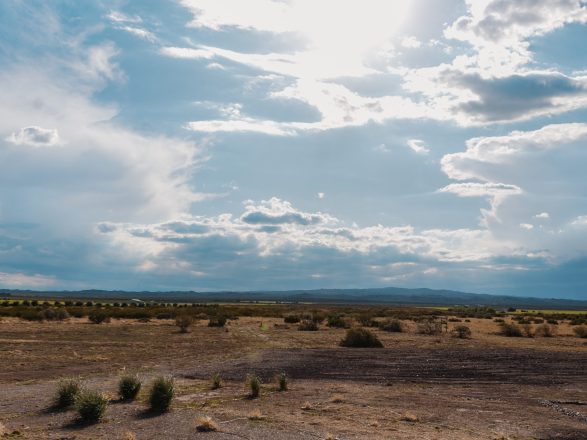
(416, 387)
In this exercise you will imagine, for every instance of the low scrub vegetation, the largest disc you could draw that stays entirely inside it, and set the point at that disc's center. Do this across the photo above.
(217, 321)
(184, 322)
(216, 381)
(291, 319)
(129, 387)
(392, 325)
(546, 330)
(429, 327)
(360, 337)
(91, 406)
(161, 394)
(67, 392)
(461, 332)
(581, 331)
(253, 383)
(308, 326)
(282, 381)
(510, 330)
(98, 317)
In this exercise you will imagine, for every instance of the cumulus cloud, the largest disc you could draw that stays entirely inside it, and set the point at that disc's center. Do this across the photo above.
(35, 136)
(275, 211)
(500, 29)
(531, 166)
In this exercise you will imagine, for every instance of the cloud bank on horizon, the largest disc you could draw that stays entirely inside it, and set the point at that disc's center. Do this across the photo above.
(286, 144)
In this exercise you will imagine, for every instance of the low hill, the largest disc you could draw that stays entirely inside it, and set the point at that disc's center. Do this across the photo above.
(385, 295)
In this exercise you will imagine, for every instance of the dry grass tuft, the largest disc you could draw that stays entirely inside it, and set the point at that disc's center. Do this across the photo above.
(3, 429)
(307, 406)
(409, 417)
(337, 398)
(256, 415)
(128, 435)
(206, 424)
(330, 437)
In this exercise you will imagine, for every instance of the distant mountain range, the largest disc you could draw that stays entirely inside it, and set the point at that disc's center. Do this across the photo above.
(385, 295)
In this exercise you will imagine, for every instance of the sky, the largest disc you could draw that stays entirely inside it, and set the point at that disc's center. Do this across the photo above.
(294, 144)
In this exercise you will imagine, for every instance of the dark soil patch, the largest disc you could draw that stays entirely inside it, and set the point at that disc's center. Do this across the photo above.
(442, 365)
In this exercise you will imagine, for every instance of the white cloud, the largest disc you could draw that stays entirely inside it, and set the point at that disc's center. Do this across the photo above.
(139, 32)
(24, 281)
(35, 136)
(418, 146)
(119, 17)
(527, 226)
(499, 29)
(411, 42)
(542, 216)
(472, 189)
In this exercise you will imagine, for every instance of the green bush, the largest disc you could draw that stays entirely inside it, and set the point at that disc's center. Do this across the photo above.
(254, 386)
(129, 387)
(216, 381)
(392, 325)
(98, 317)
(308, 326)
(91, 406)
(360, 337)
(161, 394)
(67, 393)
(462, 332)
(337, 321)
(510, 330)
(282, 381)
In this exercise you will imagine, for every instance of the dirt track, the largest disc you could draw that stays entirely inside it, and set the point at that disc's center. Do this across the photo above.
(442, 365)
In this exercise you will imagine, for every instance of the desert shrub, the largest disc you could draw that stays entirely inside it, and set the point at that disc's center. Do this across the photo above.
(129, 387)
(67, 392)
(216, 381)
(282, 381)
(510, 330)
(161, 394)
(291, 319)
(499, 320)
(184, 322)
(367, 320)
(30, 315)
(360, 337)
(461, 332)
(527, 330)
(392, 325)
(552, 321)
(546, 330)
(91, 406)
(337, 321)
(454, 320)
(53, 314)
(98, 317)
(429, 327)
(218, 321)
(254, 385)
(308, 326)
(581, 331)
